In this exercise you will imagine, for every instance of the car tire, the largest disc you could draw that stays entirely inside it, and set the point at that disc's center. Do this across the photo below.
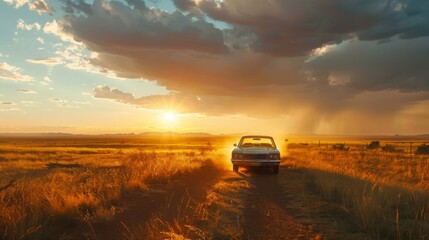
(235, 168)
(276, 169)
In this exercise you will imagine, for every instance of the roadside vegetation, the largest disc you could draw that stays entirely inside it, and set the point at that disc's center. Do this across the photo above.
(45, 190)
(382, 188)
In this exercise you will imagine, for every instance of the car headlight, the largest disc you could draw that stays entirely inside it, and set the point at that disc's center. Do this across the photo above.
(275, 156)
(237, 156)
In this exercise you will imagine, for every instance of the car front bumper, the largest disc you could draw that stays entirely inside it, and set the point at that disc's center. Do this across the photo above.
(256, 163)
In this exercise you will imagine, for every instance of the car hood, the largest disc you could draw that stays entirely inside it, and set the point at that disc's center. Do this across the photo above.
(256, 150)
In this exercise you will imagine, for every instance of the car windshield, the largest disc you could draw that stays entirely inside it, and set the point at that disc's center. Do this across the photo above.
(257, 142)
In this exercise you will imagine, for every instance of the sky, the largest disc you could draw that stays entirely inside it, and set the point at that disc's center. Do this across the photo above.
(353, 67)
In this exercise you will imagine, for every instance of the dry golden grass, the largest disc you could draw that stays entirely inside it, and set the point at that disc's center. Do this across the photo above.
(219, 216)
(43, 201)
(383, 193)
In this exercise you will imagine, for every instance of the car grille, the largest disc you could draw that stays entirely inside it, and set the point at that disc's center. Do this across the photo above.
(255, 156)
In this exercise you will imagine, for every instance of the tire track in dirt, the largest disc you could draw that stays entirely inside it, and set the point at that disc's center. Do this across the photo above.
(251, 204)
(281, 207)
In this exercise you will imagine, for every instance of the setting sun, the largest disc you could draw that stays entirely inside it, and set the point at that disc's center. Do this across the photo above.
(169, 117)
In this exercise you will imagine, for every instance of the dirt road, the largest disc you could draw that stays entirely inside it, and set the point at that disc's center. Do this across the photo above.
(251, 204)
(281, 207)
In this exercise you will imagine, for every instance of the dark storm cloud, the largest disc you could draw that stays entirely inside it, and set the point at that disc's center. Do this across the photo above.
(363, 66)
(185, 5)
(291, 28)
(137, 4)
(73, 6)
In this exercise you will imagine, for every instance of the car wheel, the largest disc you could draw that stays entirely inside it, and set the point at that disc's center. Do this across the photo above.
(276, 169)
(235, 168)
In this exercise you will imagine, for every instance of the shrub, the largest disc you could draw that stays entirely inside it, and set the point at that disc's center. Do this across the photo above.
(373, 145)
(340, 146)
(423, 149)
(388, 148)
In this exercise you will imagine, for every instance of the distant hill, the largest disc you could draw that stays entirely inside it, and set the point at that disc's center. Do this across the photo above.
(200, 134)
(114, 135)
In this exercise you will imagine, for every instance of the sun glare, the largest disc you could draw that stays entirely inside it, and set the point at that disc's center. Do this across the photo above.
(169, 117)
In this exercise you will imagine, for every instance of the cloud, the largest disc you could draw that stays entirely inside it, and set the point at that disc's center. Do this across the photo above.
(173, 101)
(46, 81)
(294, 28)
(7, 103)
(40, 40)
(113, 24)
(312, 59)
(56, 29)
(57, 100)
(185, 5)
(79, 6)
(22, 25)
(10, 72)
(63, 103)
(16, 3)
(45, 61)
(8, 109)
(40, 6)
(29, 103)
(26, 91)
(372, 66)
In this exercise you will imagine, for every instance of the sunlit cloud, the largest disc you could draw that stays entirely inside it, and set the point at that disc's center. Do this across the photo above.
(40, 40)
(16, 3)
(40, 6)
(46, 81)
(8, 109)
(45, 61)
(63, 103)
(29, 103)
(10, 72)
(55, 29)
(24, 26)
(172, 102)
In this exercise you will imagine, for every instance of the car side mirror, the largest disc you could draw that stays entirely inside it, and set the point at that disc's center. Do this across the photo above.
(235, 144)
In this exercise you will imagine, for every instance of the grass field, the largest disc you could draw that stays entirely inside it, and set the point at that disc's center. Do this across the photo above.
(49, 185)
(85, 178)
(384, 193)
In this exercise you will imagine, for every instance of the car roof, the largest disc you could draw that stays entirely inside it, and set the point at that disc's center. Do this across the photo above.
(256, 136)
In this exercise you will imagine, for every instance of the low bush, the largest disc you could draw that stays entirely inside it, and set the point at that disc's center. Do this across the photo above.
(373, 145)
(423, 149)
